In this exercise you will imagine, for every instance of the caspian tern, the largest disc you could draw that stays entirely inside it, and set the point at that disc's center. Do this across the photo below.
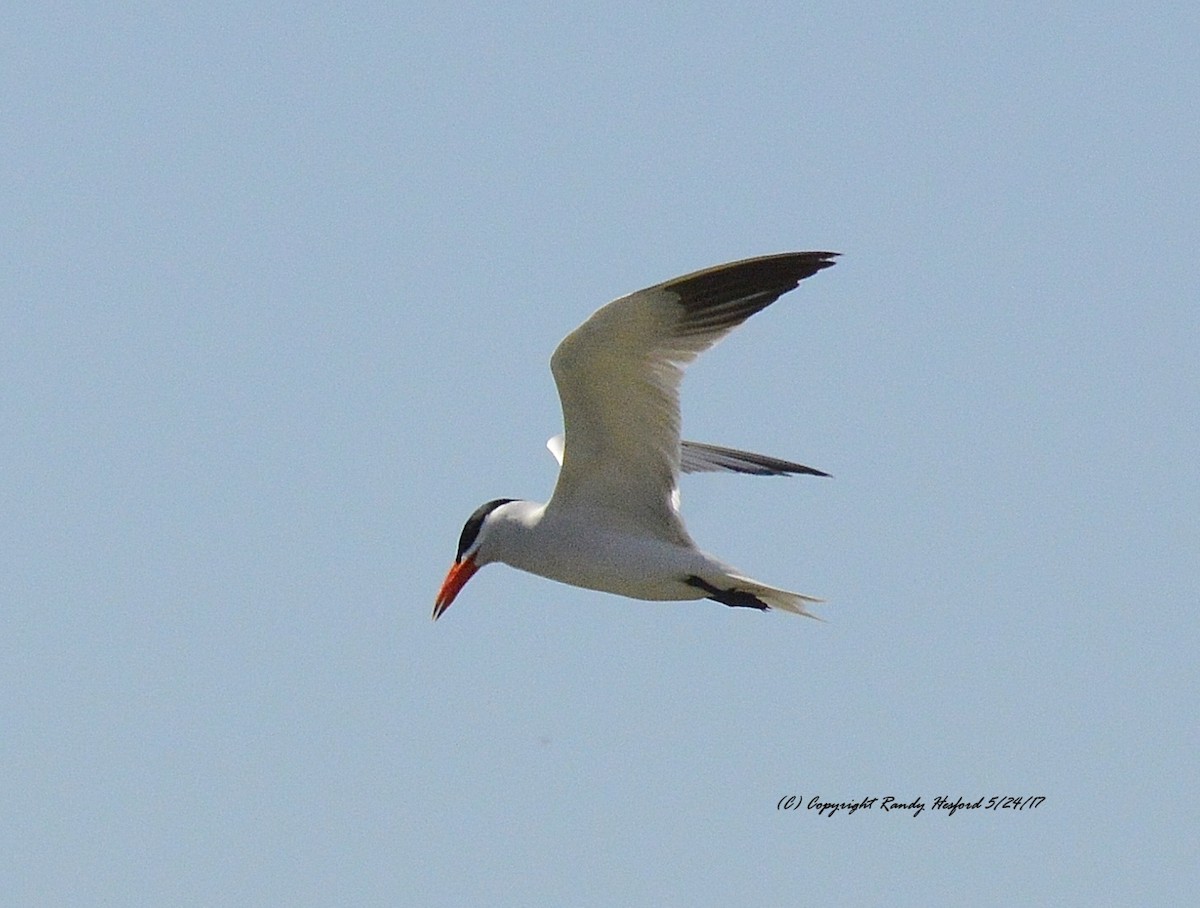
(613, 522)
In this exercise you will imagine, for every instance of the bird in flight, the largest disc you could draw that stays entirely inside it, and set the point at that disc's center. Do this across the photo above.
(613, 523)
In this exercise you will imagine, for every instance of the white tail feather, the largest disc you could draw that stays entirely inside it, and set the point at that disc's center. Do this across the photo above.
(783, 600)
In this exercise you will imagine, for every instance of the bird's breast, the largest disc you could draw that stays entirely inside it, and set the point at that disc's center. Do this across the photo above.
(588, 554)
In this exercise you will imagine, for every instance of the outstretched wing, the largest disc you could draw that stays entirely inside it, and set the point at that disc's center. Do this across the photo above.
(618, 377)
(701, 458)
(697, 457)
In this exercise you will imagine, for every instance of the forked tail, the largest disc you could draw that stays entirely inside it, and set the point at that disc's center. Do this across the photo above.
(742, 592)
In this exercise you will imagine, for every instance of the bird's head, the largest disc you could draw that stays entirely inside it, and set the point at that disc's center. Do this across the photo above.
(471, 556)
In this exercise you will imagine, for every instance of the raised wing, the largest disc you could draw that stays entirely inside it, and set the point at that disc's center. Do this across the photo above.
(618, 377)
(696, 457)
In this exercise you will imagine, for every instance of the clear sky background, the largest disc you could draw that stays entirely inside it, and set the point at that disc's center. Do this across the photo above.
(281, 283)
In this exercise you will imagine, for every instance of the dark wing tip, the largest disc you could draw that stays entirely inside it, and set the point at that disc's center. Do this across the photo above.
(696, 457)
(726, 295)
(761, 271)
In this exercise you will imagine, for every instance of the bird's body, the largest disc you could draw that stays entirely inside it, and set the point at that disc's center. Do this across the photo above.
(613, 523)
(586, 548)
(583, 548)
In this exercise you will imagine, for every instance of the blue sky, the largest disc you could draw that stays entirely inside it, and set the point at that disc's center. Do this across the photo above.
(282, 284)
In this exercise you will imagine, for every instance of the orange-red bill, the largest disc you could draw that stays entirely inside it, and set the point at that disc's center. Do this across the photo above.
(455, 580)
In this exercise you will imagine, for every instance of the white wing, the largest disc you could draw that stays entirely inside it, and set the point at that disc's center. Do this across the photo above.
(696, 457)
(618, 377)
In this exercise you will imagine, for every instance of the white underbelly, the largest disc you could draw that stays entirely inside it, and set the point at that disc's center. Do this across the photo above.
(636, 566)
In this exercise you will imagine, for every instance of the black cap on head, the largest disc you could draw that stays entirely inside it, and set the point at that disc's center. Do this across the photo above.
(471, 528)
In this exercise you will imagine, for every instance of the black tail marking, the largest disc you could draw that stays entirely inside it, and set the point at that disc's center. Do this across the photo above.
(735, 598)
